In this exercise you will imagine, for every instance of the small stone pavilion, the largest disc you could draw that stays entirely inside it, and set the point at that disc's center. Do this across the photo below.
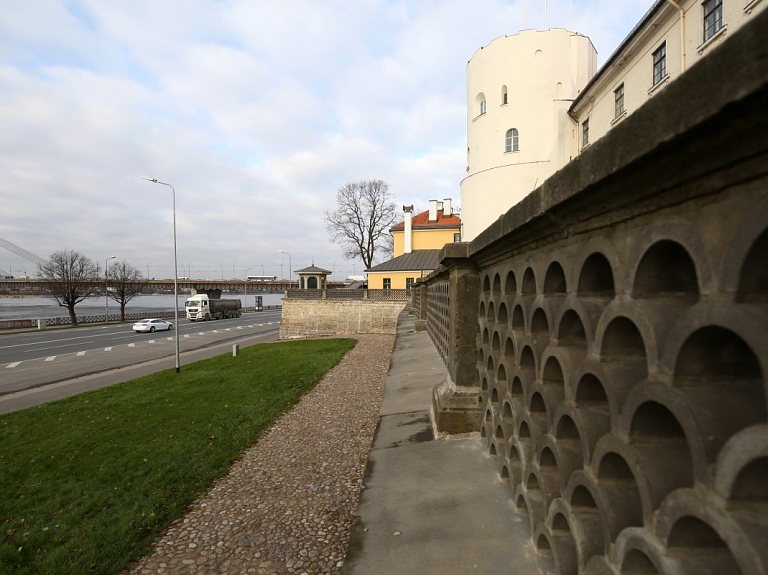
(312, 277)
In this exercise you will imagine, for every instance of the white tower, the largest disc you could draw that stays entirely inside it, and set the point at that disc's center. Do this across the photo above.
(519, 133)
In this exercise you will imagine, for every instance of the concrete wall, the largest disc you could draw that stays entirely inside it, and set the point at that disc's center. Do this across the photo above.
(620, 313)
(311, 318)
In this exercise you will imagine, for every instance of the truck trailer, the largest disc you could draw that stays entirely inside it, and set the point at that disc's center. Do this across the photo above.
(204, 308)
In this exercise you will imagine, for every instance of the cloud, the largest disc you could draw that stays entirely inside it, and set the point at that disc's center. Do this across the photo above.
(256, 112)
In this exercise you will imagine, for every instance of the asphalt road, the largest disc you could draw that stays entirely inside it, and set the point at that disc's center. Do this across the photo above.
(34, 359)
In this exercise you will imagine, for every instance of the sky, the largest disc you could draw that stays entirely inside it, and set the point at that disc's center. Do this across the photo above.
(256, 112)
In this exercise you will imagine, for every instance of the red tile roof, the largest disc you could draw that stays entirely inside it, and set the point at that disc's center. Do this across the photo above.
(422, 221)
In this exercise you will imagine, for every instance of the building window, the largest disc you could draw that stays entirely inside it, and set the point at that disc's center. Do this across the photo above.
(585, 132)
(482, 107)
(456, 238)
(387, 283)
(660, 64)
(713, 17)
(409, 283)
(511, 141)
(618, 101)
(504, 99)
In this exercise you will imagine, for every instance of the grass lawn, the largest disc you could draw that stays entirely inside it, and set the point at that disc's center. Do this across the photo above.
(88, 482)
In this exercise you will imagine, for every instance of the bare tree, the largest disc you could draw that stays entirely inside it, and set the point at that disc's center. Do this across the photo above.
(125, 282)
(360, 224)
(70, 277)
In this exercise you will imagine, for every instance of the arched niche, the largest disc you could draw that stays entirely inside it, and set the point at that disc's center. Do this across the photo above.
(666, 270)
(554, 280)
(529, 282)
(596, 277)
(753, 278)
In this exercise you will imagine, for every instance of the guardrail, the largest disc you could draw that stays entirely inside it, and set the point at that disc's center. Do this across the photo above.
(99, 318)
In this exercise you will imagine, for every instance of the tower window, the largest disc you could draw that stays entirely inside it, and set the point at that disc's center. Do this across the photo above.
(482, 107)
(511, 141)
(504, 98)
(585, 132)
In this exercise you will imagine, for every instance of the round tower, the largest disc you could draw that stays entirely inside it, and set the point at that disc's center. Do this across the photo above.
(519, 89)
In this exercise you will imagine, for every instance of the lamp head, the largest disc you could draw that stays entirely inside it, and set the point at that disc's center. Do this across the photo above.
(149, 179)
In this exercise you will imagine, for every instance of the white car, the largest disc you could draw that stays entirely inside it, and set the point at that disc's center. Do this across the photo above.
(152, 325)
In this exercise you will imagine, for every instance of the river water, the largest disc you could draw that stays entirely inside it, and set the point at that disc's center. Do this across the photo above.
(45, 307)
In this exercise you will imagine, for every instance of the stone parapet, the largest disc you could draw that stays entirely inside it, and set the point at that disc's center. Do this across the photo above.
(621, 321)
(313, 318)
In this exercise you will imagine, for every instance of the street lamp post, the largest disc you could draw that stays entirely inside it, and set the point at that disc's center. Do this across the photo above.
(222, 272)
(290, 266)
(175, 272)
(106, 289)
(246, 288)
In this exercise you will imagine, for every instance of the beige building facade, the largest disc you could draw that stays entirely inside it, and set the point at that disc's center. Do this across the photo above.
(671, 37)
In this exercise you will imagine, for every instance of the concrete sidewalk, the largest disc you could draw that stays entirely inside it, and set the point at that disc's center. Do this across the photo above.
(432, 506)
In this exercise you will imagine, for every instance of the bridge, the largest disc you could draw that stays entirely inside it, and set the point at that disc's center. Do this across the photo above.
(37, 286)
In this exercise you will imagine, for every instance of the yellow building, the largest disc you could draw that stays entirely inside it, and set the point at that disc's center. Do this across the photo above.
(417, 241)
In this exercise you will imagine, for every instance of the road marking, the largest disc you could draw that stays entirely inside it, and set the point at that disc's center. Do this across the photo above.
(215, 331)
(228, 329)
(81, 353)
(169, 339)
(239, 327)
(50, 358)
(151, 341)
(107, 349)
(200, 333)
(131, 345)
(186, 335)
(14, 364)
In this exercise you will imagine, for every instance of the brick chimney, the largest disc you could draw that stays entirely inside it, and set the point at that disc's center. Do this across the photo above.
(408, 235)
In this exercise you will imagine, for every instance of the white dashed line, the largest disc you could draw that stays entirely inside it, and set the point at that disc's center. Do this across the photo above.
(107, 349)
(131, 345)
(151, 341)
(186, 335)
(80, 353)
(50, 358)
(14, 364)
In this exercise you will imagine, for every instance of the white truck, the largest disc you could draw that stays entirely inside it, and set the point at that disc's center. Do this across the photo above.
(202, 307)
